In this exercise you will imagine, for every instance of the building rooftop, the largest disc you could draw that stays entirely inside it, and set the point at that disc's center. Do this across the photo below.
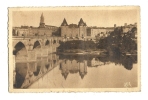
(64, 23)
(73, 26)
(81, 23)
(50, 26)
(94, 27)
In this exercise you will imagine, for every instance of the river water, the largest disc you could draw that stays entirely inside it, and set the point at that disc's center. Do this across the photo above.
(77, 71)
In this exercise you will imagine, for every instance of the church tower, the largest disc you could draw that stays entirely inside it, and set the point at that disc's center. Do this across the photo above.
(82, 28)
(42, 24)
(64, 27)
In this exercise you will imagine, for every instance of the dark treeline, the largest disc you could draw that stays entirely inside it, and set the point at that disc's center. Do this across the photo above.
(79, 58)
(126, 61)
(77, 45)
(118, 41)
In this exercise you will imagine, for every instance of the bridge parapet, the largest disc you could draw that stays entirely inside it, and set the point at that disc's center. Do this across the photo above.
(32, 39)
(37, 37)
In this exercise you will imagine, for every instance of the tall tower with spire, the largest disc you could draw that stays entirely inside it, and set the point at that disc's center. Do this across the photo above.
(64, 28)
(42, 24)
(82, 28)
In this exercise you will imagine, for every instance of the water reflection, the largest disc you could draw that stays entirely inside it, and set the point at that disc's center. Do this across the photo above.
(27, 73)
(95, 61)
(126, 61)
(72, 67)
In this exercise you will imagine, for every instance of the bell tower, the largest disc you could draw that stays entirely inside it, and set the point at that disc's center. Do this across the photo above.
(82, 28)
(42, 24)
(64, 28)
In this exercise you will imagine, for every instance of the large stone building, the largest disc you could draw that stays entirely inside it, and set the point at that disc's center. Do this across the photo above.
(43, 29)
(73, 30)
(99, 31)
(81, 30)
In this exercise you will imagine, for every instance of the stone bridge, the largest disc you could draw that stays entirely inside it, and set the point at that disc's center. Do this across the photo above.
(35, 45)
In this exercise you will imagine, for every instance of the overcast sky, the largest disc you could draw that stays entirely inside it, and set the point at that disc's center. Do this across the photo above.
(97, 16)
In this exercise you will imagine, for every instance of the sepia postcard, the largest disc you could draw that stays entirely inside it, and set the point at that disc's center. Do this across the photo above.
(74, 49)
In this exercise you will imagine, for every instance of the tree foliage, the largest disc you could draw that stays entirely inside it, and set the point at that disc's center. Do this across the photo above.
(125, 42)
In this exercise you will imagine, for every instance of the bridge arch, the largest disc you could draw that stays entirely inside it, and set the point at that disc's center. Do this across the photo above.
(36, 73)
(54, 41)
(47, 42)
(37, 44)
(20, 49)
(47, 66)
(60, 41)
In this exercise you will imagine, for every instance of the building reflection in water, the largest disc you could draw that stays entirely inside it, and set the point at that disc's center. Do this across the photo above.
(78, 63)
(28, 72)
(72, 67)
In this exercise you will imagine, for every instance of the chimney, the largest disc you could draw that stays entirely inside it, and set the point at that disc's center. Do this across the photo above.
(125, 24)
(114, 25)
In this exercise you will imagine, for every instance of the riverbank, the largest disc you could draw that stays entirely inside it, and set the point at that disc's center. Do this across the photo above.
(84, 52)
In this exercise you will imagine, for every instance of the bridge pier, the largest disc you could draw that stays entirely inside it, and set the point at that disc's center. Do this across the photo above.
(44, 52)
(50, 50)
(29, 47)
(38, 52)
(50, 60)
(32, 56)
(54, 49)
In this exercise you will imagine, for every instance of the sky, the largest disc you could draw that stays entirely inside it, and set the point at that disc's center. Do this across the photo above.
(97, 16)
